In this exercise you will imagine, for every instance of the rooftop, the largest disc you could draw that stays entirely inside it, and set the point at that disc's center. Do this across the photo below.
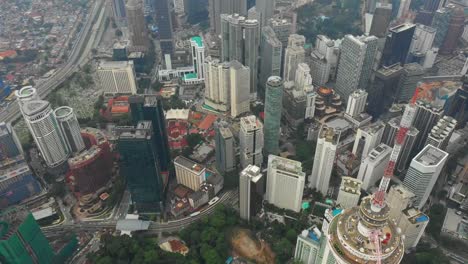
(414, 215)
(431, 156)
(198, 40)
(402, 27)
(251, 123)
(189, 164)
(350, 185)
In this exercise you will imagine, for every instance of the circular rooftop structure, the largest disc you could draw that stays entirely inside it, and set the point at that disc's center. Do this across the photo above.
(63, 112)
(34, 107)
(25, 93)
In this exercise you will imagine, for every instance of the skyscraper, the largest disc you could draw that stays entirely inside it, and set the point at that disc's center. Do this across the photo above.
(218, 7)
(412, 74)
(224, 143)
(198, 56)
(285, 183)
(251, 190)
(164, 22)
(441, 24)
(118, 8)
(293, 55)
(136, 25)
(265, 8)
(412, 223)
(397, 44)
(70, 128)
(10, 146)
(217, 84)
(355, 65)
(381, 20)
(399, 198)
(240, 92)
(324, 159)
(117, 77)
(404, 8)
(45, 130)
(454, 31)
(373, 166)
(427, 116)
(270, 56)
(367, 138)
(350, 192)
(308, 246)
(423, 39)
(149, 107)
(139, 165)
(189, 173)
(356, 103)
(441, 132)
(273, 109)
(423, 172)
(458, 107)
(240, 41)
(251, 141)
(382, 94)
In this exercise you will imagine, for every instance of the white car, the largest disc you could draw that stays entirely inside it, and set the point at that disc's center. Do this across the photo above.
(213, 201)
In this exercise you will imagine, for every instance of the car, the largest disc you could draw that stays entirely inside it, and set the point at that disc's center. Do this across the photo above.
(459, 212)
(194, 214)
(213, 201)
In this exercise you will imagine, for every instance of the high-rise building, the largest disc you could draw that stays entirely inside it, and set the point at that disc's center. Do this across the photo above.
(373, 166)
(303, 80)
(117, 77)
(397, 44)
(70, 128)
(273, 109)
(140, 166)
(383, 92)
(136, 25)
(118, 9)
(423, 172)
(240, 41)
(45, 130)
(441, 133)
(427, 116)
(218, 84)
(17, 182)
(381, 19)
(251, 141)
(356, 103)
(367, 138)
(285, 183)
(311, 98)
(398, 199)
(458, 107)
(218, 7)
(432, 5)
(283, 28)
(412, 223)
(308, 246)
(189, 173)
(164, 22)
(391, 129)
(21, 239)
(324, 59)
(149, 107)
(324, 159)
(25, 94)
(251, 190)
(350, 192)
(412, 74)
(240, 88)
(355, 65)
(423, 39)
(10, 145)
(441, 24)
(293, 55)
(224, 143)
(270, 56)
(404, 8)
(454, 31)
(198, 56)
(265, 8)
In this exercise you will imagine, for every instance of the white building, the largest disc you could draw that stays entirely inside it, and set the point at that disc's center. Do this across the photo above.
(285, 183)
(189, 173)
(423, 172)
(404, 8)
(356, 103)
(25, 94)
(251, 141)
(251, 190)
(70, 128)
(294, 54)
(217, 84)
(311, 97)
(398, 199)
(373, 166)
(303, 79)
(240, 87)
(350, 191)
(117, 77)
(198, 56)
(423, 39)
(324, 59)
(412, 224)
(441, 132)
(308, 246)
(45, 131)
(368, 138)
(324, 159)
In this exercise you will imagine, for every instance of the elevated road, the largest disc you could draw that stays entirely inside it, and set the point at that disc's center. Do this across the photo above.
(77, 56)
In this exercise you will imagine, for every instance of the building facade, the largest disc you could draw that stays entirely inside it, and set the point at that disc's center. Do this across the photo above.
(189, 173)
(251, 141)
(270, 56)
(70, 128)
(441, 132)
(373, 166)
(251, 191)
(240, 88)
(273, 110)
(137, 26)
(225, 155)
(349, 193)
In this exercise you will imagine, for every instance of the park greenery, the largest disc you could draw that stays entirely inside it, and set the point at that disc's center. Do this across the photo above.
(331, 18)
